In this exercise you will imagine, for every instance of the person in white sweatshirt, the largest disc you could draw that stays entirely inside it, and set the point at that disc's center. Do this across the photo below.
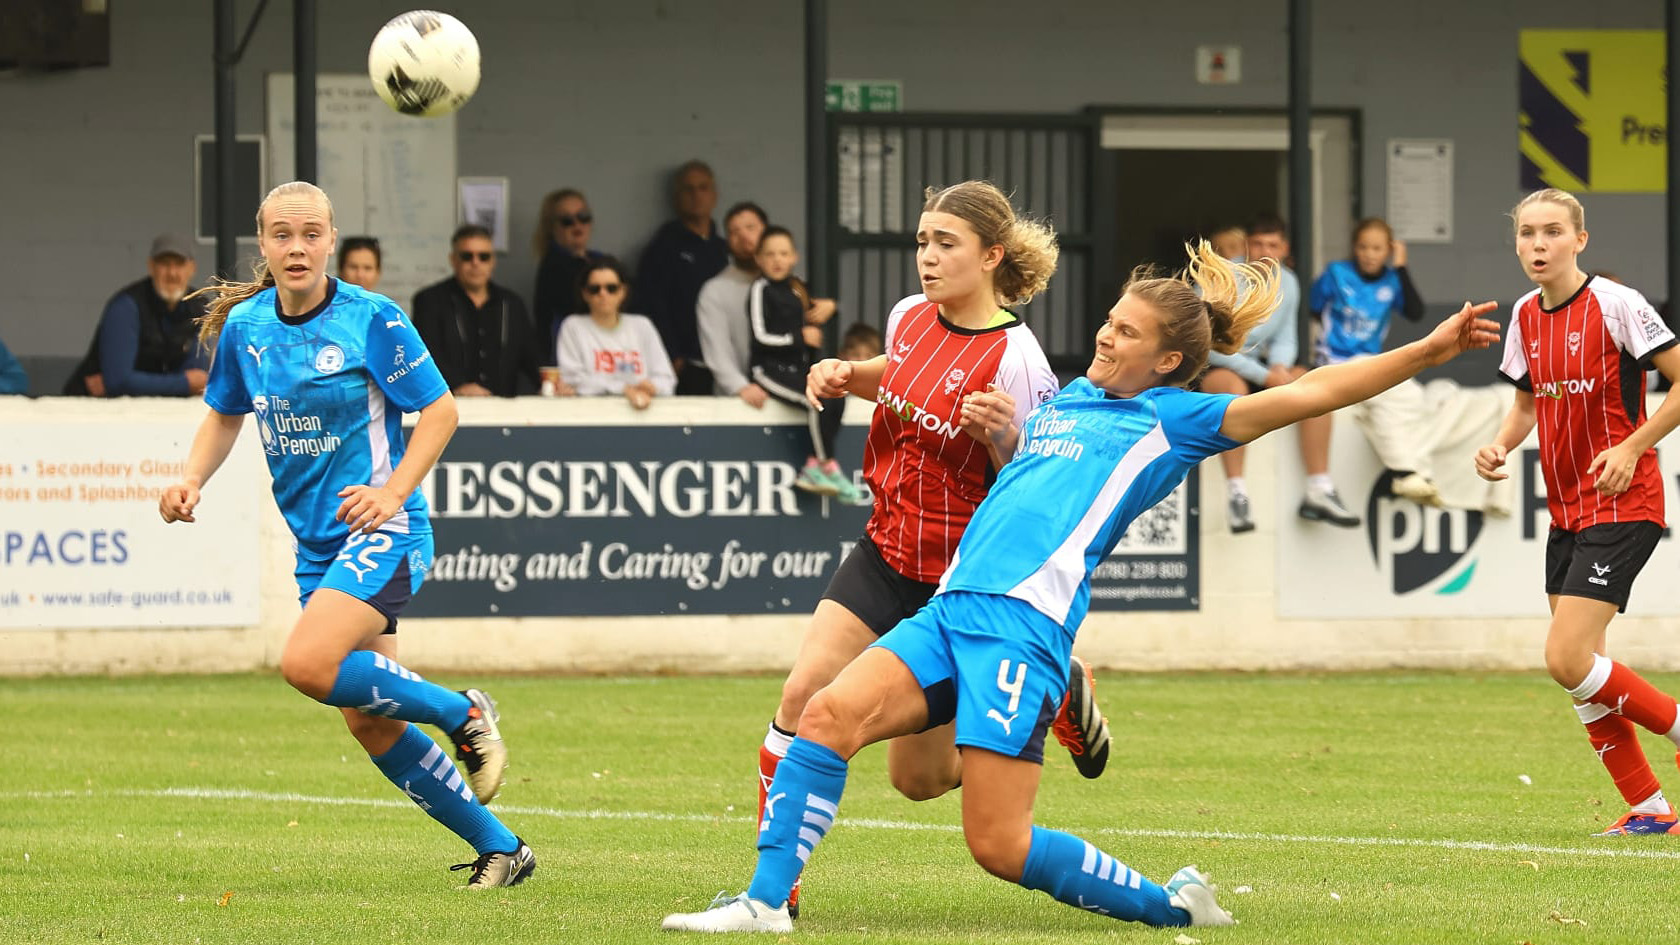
(610, 351)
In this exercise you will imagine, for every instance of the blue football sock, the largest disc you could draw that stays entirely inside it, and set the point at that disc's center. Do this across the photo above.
(424, 772)
(798, 812)
(379, 685)
(1079, 874)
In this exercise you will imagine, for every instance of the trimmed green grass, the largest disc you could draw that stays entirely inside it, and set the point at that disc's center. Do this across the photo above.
(1358, 808)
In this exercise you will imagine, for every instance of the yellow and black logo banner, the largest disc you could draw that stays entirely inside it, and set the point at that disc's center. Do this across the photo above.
(1591, 110)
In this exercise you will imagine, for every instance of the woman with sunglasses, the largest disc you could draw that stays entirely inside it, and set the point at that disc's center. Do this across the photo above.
(609, 351)
(561, 241)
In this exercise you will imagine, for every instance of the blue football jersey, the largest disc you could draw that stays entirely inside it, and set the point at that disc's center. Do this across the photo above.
(329, 389)
(1087, 464)
(1353, 312)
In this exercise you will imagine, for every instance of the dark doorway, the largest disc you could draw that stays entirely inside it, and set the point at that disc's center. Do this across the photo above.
(1168, 197)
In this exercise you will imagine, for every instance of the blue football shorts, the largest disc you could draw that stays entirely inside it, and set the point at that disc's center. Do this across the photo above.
(384, 569)
(992, 663)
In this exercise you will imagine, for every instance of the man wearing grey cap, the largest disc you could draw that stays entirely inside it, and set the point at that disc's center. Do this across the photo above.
(147, 342)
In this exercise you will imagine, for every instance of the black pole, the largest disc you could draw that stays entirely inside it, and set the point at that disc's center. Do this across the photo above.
(1672, 43)
(227, 246)
(303, 77)
(1300, 153)
(816, 144)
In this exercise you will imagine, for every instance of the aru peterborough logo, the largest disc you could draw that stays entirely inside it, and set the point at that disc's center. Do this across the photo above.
(1417, 546)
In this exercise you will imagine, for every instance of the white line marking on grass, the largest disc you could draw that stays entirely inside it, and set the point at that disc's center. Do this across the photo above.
(226, 794)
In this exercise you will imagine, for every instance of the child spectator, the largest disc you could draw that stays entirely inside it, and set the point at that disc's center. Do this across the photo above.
(785, 322)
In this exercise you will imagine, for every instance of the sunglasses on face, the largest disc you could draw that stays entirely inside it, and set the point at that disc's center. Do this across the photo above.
(467, 256)
(580, 219)
(596, 288)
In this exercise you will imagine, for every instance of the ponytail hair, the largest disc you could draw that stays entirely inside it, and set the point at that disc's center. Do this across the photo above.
(1210, 305)
(225, 294)
(1029, 246)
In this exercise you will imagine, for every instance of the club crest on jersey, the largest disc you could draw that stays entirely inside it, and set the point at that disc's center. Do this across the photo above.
(1574, 342)
(954, 380)
(329, 359)
(1385, 295)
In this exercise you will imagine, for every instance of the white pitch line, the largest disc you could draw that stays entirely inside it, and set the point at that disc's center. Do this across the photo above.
(274, 797)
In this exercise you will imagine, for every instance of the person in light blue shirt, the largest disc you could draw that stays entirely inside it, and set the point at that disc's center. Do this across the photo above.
(328, 369)
(990, 650)
(1354, 301)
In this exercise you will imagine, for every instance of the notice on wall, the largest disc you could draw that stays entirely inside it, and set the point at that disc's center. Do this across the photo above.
(82, 544)
(1420, 189)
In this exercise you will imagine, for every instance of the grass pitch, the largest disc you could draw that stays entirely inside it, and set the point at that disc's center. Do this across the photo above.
(1349, 808)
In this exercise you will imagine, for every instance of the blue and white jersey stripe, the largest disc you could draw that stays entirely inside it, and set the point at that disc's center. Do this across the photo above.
(1086, 466)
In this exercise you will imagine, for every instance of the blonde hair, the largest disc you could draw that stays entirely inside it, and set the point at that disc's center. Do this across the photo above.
(227, 293)
(545, 218)
(1029, 246)
(1212, 304)
(1563, 198)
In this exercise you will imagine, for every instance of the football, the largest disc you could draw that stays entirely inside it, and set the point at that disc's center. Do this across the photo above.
(424, 63)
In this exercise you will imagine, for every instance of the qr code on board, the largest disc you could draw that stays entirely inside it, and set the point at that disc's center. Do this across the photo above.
(1161, 529)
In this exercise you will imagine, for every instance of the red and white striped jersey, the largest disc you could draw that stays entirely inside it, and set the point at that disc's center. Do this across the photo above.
(927, 474)
(1583, 363)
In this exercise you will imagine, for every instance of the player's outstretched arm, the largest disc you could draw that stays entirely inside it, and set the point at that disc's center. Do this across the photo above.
(1337, 385)
(1614, 466)
(210, 448)
(367, 507)
(1519, 420)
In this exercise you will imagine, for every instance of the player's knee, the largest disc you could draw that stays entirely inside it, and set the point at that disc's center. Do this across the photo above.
(826, 722)
(1002, 853)
(797, 692)
(307, 673)
(1568, 668)
(922, 784)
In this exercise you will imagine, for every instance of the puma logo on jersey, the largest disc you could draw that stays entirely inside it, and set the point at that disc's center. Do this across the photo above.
(393, 324)
(997, 717)
(256, 352)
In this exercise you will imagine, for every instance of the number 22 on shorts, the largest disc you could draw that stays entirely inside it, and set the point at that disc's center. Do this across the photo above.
(375, 544)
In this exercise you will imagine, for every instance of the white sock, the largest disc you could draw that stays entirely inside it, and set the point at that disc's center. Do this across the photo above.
(1319, 484)
(777, 740)
(1596, 678)
(1236, 486)
(1655, 804)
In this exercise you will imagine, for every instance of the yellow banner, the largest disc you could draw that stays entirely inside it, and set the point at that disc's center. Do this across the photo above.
(1592, 107)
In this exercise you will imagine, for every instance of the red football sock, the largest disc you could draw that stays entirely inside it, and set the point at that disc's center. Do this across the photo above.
(1617, 743)
(1627, 694)
(767, 762)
